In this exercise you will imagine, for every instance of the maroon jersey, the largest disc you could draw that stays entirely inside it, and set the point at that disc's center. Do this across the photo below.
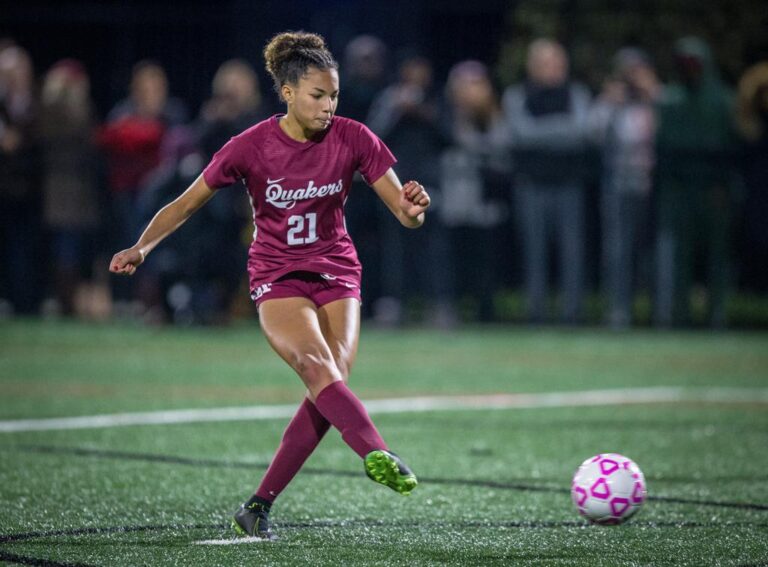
(298, 191)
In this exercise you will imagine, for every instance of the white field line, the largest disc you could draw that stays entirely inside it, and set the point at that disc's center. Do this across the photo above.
(403, 405)
(231, 541)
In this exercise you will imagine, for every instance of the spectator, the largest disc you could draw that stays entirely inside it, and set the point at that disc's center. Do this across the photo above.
(20, 207)
(695, 144)
(753, 125)
(407, 117)
(365, 76)
(365, 64)
(195, 277)
(475, 178)
(234, 106)
(547, 118)
(624, 122)
(70, 181)
(132, 139)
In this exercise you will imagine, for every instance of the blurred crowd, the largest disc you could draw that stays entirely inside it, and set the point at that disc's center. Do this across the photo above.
(670, 180)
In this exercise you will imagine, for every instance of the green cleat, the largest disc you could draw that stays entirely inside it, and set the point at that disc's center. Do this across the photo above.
(253, 520)
(388, 469)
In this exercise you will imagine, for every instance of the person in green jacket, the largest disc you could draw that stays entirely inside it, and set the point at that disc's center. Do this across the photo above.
(695, 148)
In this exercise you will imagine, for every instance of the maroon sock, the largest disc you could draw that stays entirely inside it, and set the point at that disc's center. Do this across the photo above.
(347, 414)
(300, 438)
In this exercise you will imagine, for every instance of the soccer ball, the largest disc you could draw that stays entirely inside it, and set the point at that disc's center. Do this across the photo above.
(608, 489)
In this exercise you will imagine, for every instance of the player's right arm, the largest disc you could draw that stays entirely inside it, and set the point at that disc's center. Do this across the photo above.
(167, 220)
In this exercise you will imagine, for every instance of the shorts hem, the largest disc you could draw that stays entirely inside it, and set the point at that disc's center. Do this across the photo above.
(321, 289)
(260, 301)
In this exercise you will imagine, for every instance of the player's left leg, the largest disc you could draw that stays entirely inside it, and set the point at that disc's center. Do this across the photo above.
(340, 325)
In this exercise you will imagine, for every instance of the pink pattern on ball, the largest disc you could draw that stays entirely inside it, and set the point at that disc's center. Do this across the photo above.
(600, 489)
(608, 466)
(638, 494)
(580, 496)
(619, 506)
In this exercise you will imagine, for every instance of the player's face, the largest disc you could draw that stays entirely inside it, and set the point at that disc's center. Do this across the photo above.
(314, 99)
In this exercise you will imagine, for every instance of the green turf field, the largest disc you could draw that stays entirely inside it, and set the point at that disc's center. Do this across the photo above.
(494, 482)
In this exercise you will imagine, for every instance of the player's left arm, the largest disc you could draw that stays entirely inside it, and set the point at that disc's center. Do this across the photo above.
(407, 202)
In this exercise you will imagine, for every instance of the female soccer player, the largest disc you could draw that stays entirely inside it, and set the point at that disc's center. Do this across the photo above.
(303, 268)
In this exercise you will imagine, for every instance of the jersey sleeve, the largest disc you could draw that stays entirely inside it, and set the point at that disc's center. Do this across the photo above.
(374, 157)
(225, 167)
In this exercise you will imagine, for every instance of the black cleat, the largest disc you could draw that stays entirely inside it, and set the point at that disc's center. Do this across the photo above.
(252, 519)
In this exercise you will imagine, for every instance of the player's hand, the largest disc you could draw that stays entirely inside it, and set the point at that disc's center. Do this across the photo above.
(125, 263)
(414, 199)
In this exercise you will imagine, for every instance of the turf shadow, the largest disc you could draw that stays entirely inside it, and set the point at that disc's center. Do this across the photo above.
(364, 523)
(188, 461)
(23, 560)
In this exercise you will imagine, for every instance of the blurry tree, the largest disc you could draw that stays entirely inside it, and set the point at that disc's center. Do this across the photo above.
(593, 30)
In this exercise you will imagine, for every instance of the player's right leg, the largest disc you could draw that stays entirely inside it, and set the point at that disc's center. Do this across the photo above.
(300, 438)
(307, 427)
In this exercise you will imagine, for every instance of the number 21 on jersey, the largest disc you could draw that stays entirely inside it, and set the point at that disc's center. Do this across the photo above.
(302, 229)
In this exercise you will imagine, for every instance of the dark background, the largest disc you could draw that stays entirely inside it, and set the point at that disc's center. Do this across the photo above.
(192, 38)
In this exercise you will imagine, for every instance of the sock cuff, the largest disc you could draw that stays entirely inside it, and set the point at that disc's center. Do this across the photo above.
(329, 389)
(267, 504)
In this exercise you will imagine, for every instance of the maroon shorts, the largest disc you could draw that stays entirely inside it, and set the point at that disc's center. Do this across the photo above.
(320, 289)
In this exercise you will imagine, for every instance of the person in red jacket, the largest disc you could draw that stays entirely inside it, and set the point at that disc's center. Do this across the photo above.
(132, 139)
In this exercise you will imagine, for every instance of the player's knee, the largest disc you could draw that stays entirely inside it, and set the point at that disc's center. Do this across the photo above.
(315, 369)
(344, 358)
(344, 375)
(344, 365)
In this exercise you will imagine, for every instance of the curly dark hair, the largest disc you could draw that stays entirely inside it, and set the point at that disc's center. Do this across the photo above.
(289, 55)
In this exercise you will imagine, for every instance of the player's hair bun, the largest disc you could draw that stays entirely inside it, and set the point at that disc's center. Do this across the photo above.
(287, 45)
(288, 55)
